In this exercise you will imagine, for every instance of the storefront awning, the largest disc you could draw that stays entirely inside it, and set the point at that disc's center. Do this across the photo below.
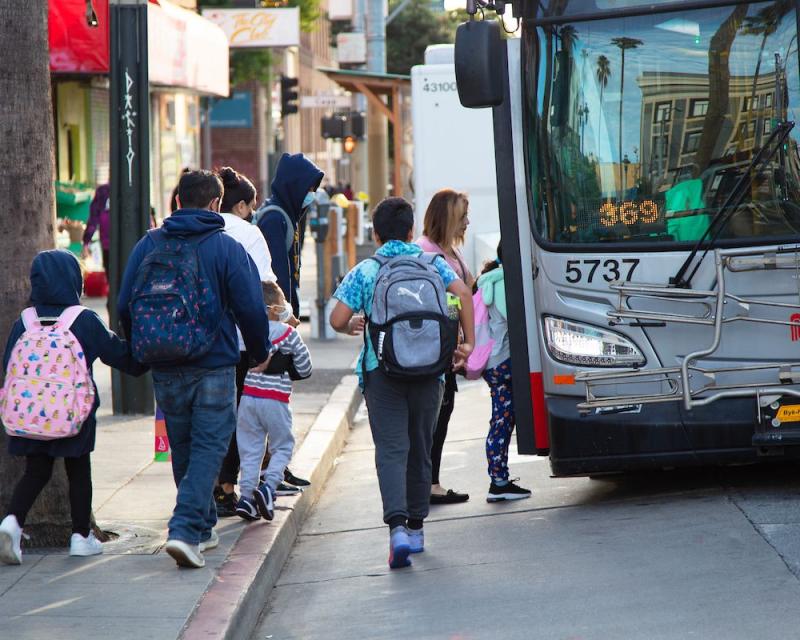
(185, 50)
(75, 47)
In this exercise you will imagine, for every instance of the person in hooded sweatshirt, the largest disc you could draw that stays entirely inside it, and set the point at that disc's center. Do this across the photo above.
(293, 187)
(198, 394)
(56, 284)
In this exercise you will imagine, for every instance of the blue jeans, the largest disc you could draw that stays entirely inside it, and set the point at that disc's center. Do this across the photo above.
(199, 406)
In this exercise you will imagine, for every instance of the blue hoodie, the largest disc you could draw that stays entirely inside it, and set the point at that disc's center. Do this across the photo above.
(295, 175)
(234, 281)
(56, 284)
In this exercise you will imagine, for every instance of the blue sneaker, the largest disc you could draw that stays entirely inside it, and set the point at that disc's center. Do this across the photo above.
(246, 510)
(399, 548)
(416, 540)
(264, 501)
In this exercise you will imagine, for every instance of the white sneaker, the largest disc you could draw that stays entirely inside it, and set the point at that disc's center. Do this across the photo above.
(88, 546)
(211, 543)
(10, 539)
(185, 554)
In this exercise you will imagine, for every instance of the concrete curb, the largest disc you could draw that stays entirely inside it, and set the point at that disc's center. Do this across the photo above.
(231, 606)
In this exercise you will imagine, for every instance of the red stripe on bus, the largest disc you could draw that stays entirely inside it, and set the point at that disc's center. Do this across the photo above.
(540, 432)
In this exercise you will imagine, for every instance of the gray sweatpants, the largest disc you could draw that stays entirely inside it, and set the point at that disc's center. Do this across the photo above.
(257, 419)
(402, 417)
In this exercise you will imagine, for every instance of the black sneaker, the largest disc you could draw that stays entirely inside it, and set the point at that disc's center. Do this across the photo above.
(508, 491)
(289, 477)
(226, 503)
(284, 489)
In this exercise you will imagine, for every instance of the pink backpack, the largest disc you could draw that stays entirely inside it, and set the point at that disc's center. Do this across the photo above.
(479, 358)
(48, 391)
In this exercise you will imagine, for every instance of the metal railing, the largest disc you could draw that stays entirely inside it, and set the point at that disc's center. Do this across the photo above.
(676, 381)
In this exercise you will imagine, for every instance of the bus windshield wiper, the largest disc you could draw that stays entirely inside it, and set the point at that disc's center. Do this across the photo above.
(731, 204)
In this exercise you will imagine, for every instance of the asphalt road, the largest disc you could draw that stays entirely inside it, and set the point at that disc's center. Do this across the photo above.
(711, 553)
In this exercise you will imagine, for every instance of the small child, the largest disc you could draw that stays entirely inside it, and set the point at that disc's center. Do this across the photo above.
(264, 411)
(56, 284)
(491, 282)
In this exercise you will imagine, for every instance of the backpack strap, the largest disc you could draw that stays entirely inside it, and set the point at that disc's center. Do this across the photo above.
(30, 319)
(69, 315)
(289, 225)
(430, 257)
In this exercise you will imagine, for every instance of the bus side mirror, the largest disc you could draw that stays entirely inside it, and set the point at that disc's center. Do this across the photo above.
(479, 64)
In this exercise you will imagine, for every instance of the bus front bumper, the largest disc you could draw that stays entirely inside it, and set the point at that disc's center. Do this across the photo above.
(654, 436)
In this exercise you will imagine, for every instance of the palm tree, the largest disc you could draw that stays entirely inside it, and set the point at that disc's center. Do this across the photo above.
(763, 24)
(603, 74)
(624, 44)
(26, 189)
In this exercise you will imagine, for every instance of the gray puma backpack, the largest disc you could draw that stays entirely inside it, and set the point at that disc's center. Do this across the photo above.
(410, 329)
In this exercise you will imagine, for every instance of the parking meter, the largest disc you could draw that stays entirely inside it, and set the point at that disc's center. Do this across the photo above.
(319, 222)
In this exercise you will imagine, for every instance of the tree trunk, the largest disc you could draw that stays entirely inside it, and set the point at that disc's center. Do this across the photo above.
(719, 80)
(26, 191)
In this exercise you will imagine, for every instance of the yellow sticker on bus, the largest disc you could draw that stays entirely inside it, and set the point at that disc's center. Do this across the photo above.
(789, 413)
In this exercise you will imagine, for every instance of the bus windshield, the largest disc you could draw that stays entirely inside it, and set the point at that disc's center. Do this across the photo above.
(638, 128)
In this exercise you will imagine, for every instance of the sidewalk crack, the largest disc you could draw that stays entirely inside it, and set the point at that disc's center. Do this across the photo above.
(28, 568)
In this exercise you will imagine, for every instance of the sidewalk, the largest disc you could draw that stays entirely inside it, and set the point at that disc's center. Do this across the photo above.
(134, 590)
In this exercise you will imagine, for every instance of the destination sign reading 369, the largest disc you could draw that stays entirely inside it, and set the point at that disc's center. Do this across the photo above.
(629, 213)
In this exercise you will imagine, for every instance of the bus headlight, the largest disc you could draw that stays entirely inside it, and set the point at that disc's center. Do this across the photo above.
(588, 346)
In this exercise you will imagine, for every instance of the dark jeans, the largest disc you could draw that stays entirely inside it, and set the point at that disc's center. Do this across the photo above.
(38, 470)
(439, 435)
(401, 416)
(199, 408)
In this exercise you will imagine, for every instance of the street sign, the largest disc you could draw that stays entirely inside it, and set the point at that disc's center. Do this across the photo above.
(325, 101)
(258, 28)
(351, 48)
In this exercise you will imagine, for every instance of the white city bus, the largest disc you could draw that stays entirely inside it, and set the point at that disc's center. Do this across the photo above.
(648, 185)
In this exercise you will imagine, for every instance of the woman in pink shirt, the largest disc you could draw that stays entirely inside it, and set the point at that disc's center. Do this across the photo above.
(446, 222)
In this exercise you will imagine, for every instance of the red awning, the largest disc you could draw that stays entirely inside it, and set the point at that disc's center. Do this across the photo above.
(185, 49)
(75, 47)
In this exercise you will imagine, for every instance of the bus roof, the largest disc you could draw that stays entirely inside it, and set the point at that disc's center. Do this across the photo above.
(549, 11)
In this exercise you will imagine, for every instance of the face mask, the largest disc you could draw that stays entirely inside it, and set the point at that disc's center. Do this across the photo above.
(308, 200)
(284, 314)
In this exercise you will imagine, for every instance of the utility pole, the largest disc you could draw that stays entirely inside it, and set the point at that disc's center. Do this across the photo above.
(359, 169)
(376, 124)
(130, 171)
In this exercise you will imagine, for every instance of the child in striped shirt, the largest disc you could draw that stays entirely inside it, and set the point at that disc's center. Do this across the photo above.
(264, 412)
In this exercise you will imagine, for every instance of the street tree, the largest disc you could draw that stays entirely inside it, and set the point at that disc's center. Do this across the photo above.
(624, 45)
(27, 194)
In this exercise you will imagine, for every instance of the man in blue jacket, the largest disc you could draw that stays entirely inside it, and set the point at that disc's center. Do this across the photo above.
(296, 180)
(198, 394)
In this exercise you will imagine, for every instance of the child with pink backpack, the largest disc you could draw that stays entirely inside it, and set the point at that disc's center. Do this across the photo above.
(49, 399)
(492, 358)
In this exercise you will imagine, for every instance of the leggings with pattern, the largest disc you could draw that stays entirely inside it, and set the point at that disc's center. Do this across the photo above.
(502, 423)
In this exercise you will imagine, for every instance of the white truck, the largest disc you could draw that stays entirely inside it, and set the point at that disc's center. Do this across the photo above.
(453, 147)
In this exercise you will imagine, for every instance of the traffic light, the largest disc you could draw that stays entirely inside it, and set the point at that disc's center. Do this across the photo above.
(288, 96)
(349, 144)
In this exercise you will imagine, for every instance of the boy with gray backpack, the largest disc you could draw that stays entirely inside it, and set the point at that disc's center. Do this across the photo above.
(409, 342)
